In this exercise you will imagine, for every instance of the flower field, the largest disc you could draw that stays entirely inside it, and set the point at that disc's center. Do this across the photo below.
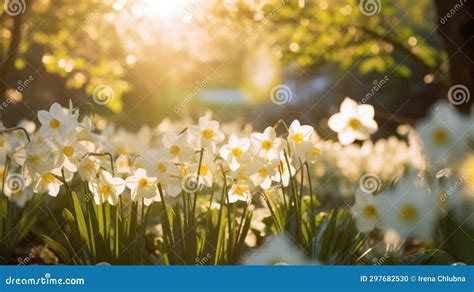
(77, 190)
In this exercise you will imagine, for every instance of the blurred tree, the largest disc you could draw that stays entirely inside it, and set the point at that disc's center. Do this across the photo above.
(75, 40)
(373, 35)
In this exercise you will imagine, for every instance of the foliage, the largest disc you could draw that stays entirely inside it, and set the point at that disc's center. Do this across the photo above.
(96, 234)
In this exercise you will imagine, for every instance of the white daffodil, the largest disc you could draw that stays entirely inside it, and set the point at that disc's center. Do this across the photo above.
(142, 186)
(240, 191)
(89, 168)
(206, 172)
(36, 158)
(19, 197)
(165, 171)
(107, 188)
(299, 138)
(207, 133)
(46, 182)
(232, 152)
(267, 144)
(277, 250)
(353, 122)
(178, 146)
(57, 121)
(68, 153)
(123, 164)
(262, 172)
(366, 211)
(444, 133)
(409, 209)
(282, 173)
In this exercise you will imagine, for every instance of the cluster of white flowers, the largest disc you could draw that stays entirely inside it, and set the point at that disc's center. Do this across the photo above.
(181, 157)
(114, 163)
(442, 187)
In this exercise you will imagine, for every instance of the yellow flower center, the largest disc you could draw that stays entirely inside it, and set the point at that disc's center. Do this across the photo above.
(208, 133)
(267, 145)
(298, 137)
(162, 167)
(239, 191)
(354, 124)
(123, 163)
(315, 151)
(2, 143)
(143, 182)
(263, 172)
(439, 136)
(175, 149)
(54, 123)
(369, 211)
(105, 189)
(408, 212)
(34, 158)
(49, 178)
(89, 166)
(68, 151)
(236, 151)
(203, 170)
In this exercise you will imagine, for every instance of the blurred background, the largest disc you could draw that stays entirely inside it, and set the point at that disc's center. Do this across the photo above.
(141, 61)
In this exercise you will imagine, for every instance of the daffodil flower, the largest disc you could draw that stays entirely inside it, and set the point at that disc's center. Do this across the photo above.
(299, 138)
(142, 186)
(267, 144)
(366, 211)
(46, 182)
(178, 146)
(240, 191)
(233, 151)
(57, 121)
(353, 122)
(107, 188)
(206, 133)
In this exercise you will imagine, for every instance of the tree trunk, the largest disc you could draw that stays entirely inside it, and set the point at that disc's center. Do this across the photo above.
(9, 61)
(456, 28)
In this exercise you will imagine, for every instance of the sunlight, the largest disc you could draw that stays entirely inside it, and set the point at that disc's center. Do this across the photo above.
(165, 9)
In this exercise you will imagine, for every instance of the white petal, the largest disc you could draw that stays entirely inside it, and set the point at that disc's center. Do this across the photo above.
(366, 111)
(349, 107)
(337, 122)
(346, 137)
